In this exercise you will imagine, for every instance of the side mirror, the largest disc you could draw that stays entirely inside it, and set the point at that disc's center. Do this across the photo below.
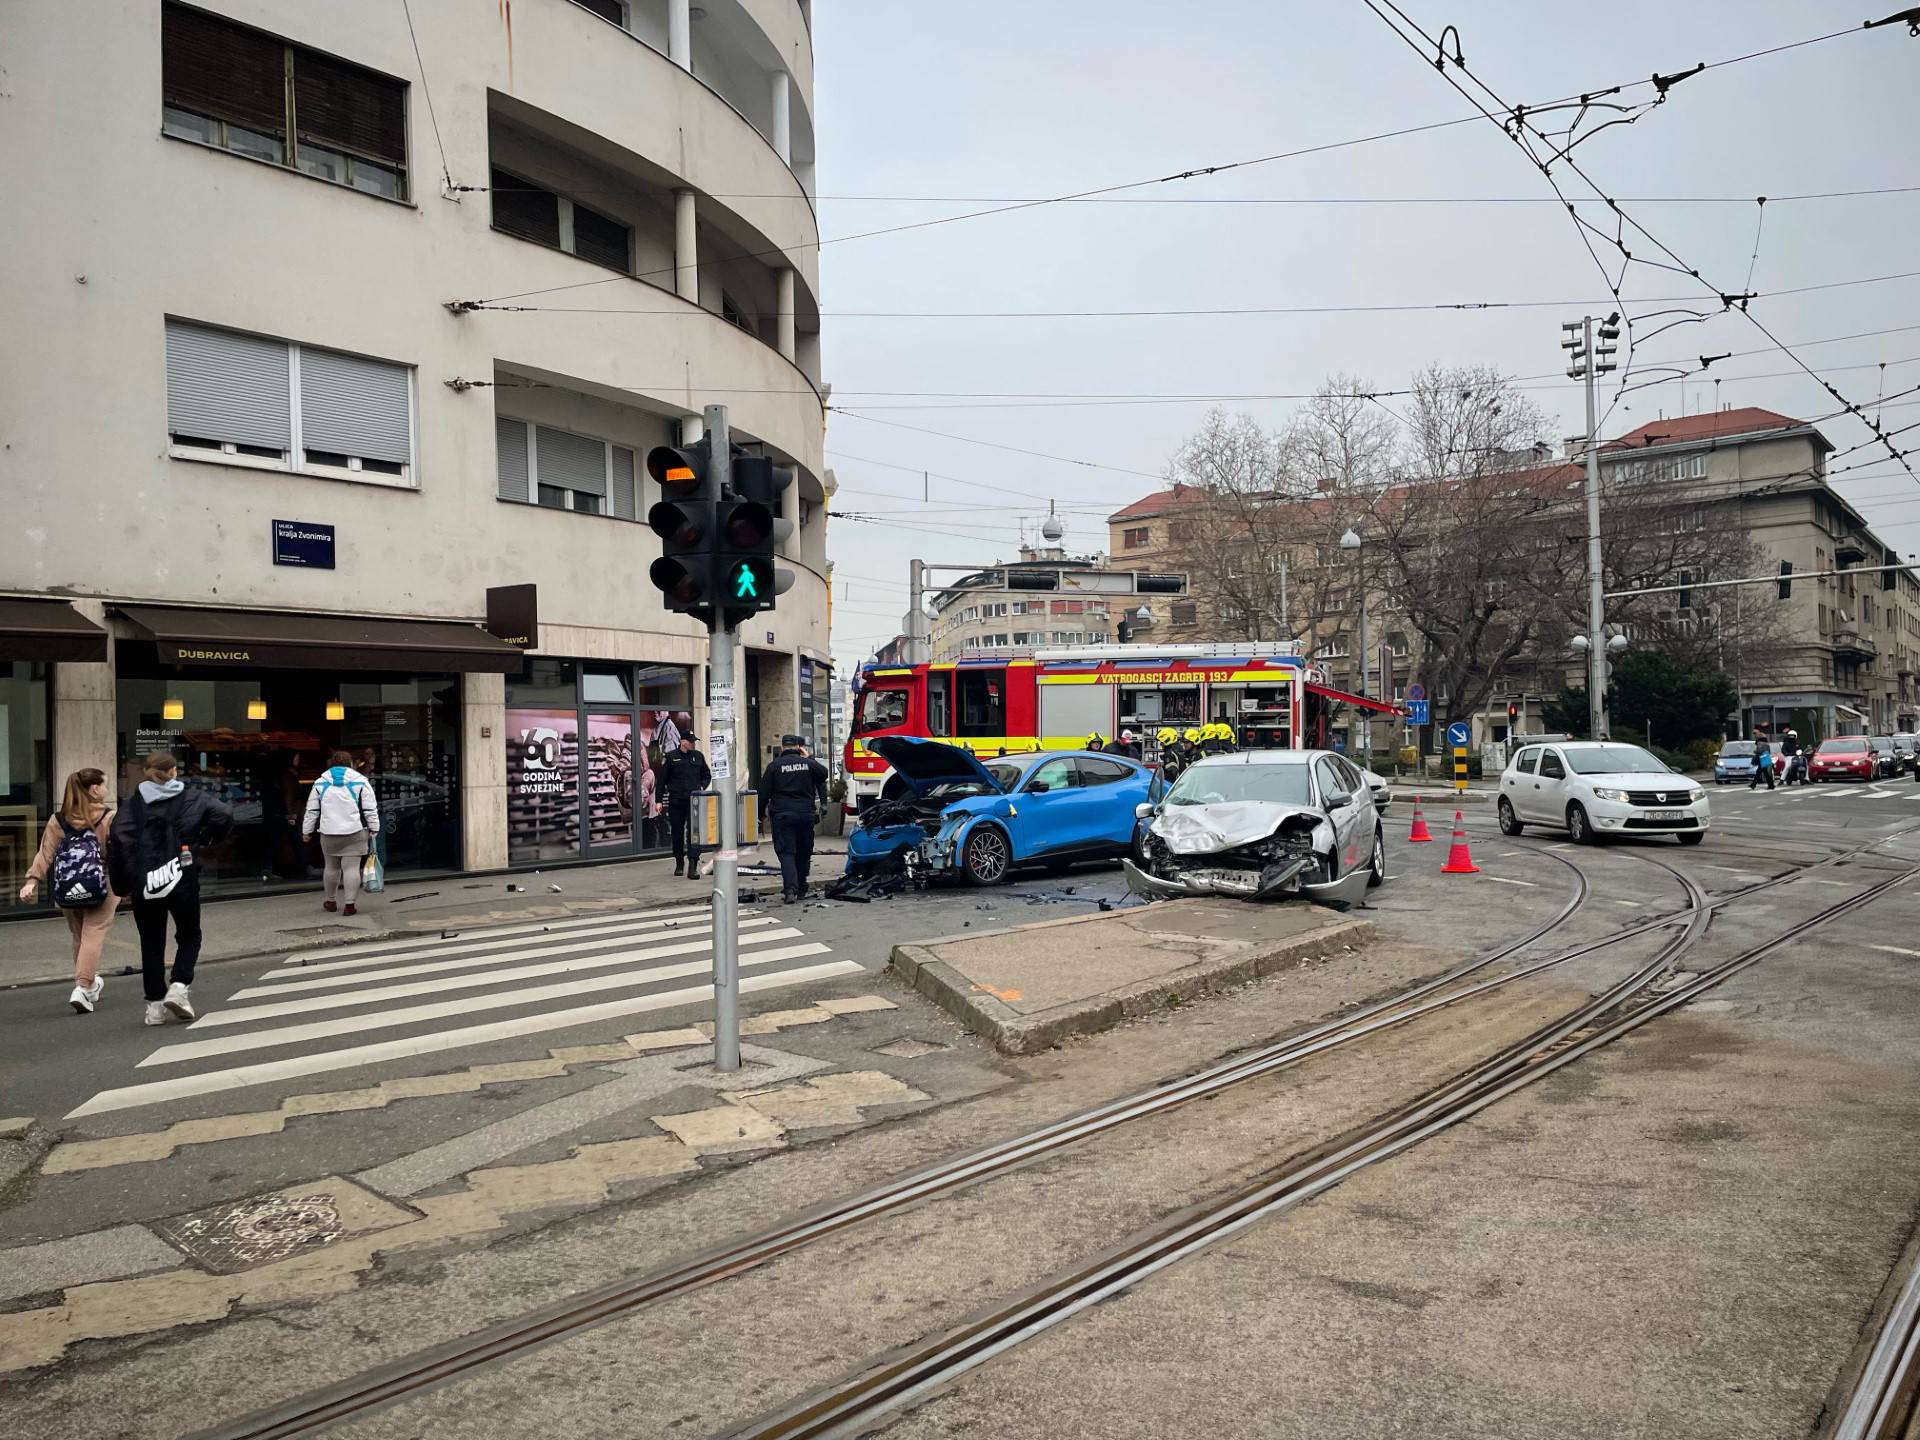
(1339, 800)
(1142, 810)
(1038, 787)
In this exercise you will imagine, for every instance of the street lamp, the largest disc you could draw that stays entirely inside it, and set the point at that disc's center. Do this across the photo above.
(1598, 673)
(1351, 541)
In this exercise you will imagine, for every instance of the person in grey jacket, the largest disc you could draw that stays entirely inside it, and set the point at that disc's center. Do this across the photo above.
(342, 810)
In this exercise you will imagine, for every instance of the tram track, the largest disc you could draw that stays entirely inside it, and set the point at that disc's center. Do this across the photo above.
(899, 1379)
(1884, 1403)
(414, 1374)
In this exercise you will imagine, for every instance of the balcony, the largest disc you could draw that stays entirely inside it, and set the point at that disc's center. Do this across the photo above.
(1850, 551)
(1852, 645)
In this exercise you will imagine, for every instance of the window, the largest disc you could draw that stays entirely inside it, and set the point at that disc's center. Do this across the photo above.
(1136, 539)
(1099, 772)
(533, 212)
(1550, 766)
(993, 612)
(1186, 612)
(1069, 607)
(286, 406)
(1052, 775)
(1029, 637)
(243, 90)
(540, 465)
(614, 10)
(982, 702)
(1328, 780)
(731, 312)
(1525, 761)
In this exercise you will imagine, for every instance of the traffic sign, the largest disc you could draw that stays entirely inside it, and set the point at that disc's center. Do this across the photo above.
(1458, 733)
(1416, 712)
(1416, 691)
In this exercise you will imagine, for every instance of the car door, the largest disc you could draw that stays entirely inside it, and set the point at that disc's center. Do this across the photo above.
(1517, 782)
(1050, 807)
(1109, 789)
(1366, 815)
(1550, 789)
(1346, 827)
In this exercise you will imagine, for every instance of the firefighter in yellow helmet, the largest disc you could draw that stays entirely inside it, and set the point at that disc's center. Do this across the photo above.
(1172, 758)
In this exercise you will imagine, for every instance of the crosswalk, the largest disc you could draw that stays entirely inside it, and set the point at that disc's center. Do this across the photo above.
(338, 1009)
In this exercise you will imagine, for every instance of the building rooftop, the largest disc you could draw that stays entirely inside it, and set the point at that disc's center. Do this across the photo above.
(1715, 425)
(1158, 503)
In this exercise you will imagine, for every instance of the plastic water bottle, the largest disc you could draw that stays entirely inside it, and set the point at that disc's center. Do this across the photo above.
(186, 858)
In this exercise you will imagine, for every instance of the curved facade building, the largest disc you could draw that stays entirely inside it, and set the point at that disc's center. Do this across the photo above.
(330, 326)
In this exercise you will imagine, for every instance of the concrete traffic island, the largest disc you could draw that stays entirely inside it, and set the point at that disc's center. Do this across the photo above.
(1031, 986)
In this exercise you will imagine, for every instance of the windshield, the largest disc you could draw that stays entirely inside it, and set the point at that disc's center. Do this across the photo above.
(881, 710)
(1737, 747)
(1221, 784)
(1008, 775)
(1614, 760)
(1842, 747)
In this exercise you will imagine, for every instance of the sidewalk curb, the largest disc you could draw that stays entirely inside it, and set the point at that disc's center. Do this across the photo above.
(1014, 1033)
(1442, 798)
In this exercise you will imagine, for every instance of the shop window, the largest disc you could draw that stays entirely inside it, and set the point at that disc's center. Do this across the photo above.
(607, 685)
(28, 788)
(243, 90)
(248, 399)
(537, 464)
(530, 211)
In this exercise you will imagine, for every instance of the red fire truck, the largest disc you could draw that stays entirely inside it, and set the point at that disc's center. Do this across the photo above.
(1007, 702)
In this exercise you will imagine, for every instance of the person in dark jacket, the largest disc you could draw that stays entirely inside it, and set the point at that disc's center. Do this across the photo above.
(793, 792)
(150, 855)
(684, 774)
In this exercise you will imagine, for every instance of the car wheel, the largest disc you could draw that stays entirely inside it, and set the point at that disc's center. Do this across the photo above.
(1579, 827)
(1377, 868)
(1691, 838)
(1510, 823)
(987, 858)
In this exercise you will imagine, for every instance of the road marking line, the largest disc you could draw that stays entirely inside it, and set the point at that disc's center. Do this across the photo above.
(1844, 885)
(266, 1072)
(248, 1013)
(1634, 903)
(1896, 950)
(394, 952)
(1502, 880)
(581, 948)
(408, 1015)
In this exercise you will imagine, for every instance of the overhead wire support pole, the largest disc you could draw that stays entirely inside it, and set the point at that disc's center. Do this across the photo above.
(1593, 349)
(726, 859)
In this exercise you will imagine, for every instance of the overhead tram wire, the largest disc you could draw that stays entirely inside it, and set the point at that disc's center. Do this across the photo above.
(996, 445)
(452, 192)
(1521, 125)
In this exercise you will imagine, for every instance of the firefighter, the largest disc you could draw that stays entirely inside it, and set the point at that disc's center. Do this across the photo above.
(1096, 742)
(1167, 742)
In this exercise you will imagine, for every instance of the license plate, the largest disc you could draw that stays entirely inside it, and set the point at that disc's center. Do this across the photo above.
(1666, 814)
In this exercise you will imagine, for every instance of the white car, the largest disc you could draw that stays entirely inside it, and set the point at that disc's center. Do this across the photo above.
(1591, 788)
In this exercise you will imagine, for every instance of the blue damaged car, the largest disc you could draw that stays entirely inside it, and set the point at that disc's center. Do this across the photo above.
(945, 812)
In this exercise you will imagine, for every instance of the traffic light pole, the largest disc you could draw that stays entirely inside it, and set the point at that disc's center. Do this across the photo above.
(726, 860)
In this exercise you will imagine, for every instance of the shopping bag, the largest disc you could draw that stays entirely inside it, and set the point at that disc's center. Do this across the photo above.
(373, 876)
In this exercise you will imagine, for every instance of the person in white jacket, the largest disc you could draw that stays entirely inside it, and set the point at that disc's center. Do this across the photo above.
(341, 807)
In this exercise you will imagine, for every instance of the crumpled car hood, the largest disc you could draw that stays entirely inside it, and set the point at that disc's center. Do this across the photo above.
(1208, 829)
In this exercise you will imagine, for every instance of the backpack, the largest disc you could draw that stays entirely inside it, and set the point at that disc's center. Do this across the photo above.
(79, 869)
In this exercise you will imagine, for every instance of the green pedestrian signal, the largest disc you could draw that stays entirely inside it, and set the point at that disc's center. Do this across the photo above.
(745, 587)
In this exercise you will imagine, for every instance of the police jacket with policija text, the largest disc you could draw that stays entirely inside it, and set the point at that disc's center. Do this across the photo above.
(684, 774)
(794, 784)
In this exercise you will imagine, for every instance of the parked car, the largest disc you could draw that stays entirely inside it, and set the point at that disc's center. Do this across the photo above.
(1735, 761)
(1593, 788)
(1263, 824)
(1886, 756)
(1909, 748)
(1376, 787)
(1845, 757)
(944, 812)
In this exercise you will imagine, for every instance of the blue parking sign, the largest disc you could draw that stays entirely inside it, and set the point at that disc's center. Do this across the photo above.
(1458, 733)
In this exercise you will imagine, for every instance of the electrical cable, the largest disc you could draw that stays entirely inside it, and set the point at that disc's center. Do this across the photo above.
(996, 445)
(1232, 199)
(446, 174)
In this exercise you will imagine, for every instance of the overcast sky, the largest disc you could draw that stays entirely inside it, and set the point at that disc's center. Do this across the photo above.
(1001, 99)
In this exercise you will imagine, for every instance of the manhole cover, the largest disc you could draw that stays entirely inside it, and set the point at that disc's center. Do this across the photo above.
(908, 1049)
(254, 1232)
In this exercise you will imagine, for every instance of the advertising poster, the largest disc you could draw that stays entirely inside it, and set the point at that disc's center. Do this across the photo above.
(612, 785)
(658, 737)
(543, 785)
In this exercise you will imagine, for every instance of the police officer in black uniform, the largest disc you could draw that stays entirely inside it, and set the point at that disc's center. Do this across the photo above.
(793, 792)
(684, 774)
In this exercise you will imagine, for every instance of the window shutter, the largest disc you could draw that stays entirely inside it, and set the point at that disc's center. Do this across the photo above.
(227, 387)
(356, 406)
(603, 241)
(624, 504)
(344, 107)
(571, 460)
(510, 443)
(525, 210)
(215, 68)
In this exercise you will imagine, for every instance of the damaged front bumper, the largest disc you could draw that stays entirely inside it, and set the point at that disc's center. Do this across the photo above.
(1275, 880)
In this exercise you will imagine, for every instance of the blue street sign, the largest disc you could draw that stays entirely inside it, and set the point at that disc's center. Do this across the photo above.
(1416, 691)
(1416, 712)
(1459, 733)
(301, 542)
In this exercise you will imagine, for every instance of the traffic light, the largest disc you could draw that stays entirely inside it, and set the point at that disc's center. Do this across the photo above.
(685, 520)
(1513, 715)
(750, 530)
(1786, 584)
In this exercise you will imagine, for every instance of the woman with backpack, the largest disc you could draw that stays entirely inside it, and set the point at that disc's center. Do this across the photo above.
(342, 809)
(73, 852)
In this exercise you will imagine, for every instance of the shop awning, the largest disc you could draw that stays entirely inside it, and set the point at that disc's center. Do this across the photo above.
(251, 639)
(48, 630)
(1360, 702)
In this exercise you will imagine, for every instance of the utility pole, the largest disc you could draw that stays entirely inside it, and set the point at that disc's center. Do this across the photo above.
(726, 860)
(1589, 363)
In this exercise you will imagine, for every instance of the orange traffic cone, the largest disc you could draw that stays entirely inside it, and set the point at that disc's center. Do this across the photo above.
(1419, 824)
(1459, 860)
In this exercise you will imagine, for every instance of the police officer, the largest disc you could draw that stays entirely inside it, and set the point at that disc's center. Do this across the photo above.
(684, 774)
(793, 792)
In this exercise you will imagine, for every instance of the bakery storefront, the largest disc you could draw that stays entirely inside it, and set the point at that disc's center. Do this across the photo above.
(584, 742)
(35, 635)
(252, 704)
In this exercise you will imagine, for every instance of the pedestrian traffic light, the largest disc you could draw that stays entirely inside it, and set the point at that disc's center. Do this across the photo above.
(685, 519)
(1786, 585)
(750, 530)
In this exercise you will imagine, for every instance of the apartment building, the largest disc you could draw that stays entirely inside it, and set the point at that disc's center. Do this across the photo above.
(979, 613)
(283, 477)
